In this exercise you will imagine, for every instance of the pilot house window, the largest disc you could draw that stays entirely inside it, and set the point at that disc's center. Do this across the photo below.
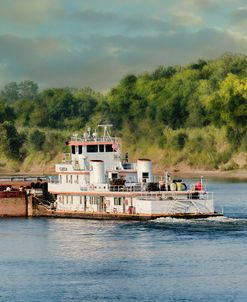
(92, 148)
(108, 148)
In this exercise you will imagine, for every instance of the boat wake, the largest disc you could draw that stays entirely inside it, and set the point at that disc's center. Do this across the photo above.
(219, 219)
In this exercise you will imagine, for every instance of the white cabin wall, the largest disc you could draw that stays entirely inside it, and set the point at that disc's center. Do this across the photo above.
(144, 166)
(142, 206)
(97, 172)
(111, 207)
(70, 203)
(110, 159)
(182, 206)
(131, 177)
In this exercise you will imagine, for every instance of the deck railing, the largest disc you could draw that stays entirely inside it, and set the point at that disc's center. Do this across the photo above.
(177, 195)
(94, 139)
(144, 194)
(23, 178)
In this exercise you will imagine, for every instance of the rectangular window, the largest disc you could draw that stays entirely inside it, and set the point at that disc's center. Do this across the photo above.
(117, 201)
(92, 148)
(61, 199)
(101, 148)
(91, 200)
(94, 200)
(127, 166)
(108, 148)
(73, 149)
(114, 175)
(67, 179)
(80, 149)
(145, 175)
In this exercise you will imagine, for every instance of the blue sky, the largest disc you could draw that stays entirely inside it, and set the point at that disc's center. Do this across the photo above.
(94, 43)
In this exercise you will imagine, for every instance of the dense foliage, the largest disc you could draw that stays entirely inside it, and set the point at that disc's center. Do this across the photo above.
(193, 114)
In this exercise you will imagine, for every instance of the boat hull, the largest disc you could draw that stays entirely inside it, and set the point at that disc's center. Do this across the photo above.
(44, 212)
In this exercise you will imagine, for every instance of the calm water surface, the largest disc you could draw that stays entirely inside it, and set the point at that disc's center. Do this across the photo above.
(161, 260)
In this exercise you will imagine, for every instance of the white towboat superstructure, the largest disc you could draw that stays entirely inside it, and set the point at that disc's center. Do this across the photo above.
(95, 182)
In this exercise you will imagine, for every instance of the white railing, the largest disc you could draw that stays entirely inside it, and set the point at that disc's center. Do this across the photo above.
(114, 188)
(189, 194)
(94, 139)
(191, 187)
(177, 195)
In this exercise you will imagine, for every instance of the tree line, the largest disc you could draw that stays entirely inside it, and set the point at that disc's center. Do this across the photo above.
(164, 106)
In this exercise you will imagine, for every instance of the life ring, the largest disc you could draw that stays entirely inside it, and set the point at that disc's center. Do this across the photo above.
(184, 186)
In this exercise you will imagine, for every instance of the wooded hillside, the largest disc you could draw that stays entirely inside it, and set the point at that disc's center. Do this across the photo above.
(193, 115)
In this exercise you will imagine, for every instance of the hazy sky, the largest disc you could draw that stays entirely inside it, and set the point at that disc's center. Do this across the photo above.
(95, 43)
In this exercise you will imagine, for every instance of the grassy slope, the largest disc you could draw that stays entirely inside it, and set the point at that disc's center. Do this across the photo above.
(38, 164)
(205, 149)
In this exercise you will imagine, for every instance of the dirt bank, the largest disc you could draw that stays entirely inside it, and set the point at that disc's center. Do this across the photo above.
(234, 174)
(190, 173)
(237, 174)
(182, 170)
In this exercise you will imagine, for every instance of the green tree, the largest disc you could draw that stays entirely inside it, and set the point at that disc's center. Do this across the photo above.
(60, 105)
(10, 91)
(39, 116)
(6, 113)
(196, 114)
(11, 141)
(23, 110)
(28, 90)
(162, 72)
(36, 139)
(86, 102)
(233, 93)
(120, 99)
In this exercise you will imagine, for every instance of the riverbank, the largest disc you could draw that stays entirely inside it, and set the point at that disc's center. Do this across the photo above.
(41, 164)
(233, 174)
(182, 169)
(184, 173)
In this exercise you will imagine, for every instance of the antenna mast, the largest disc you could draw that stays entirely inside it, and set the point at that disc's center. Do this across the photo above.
(106, 131)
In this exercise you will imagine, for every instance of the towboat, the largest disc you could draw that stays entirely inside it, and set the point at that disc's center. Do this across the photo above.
(96, 181)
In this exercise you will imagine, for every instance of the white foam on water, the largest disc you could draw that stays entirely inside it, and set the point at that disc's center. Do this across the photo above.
(225, 219)
(172, 220)
(220, 219)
